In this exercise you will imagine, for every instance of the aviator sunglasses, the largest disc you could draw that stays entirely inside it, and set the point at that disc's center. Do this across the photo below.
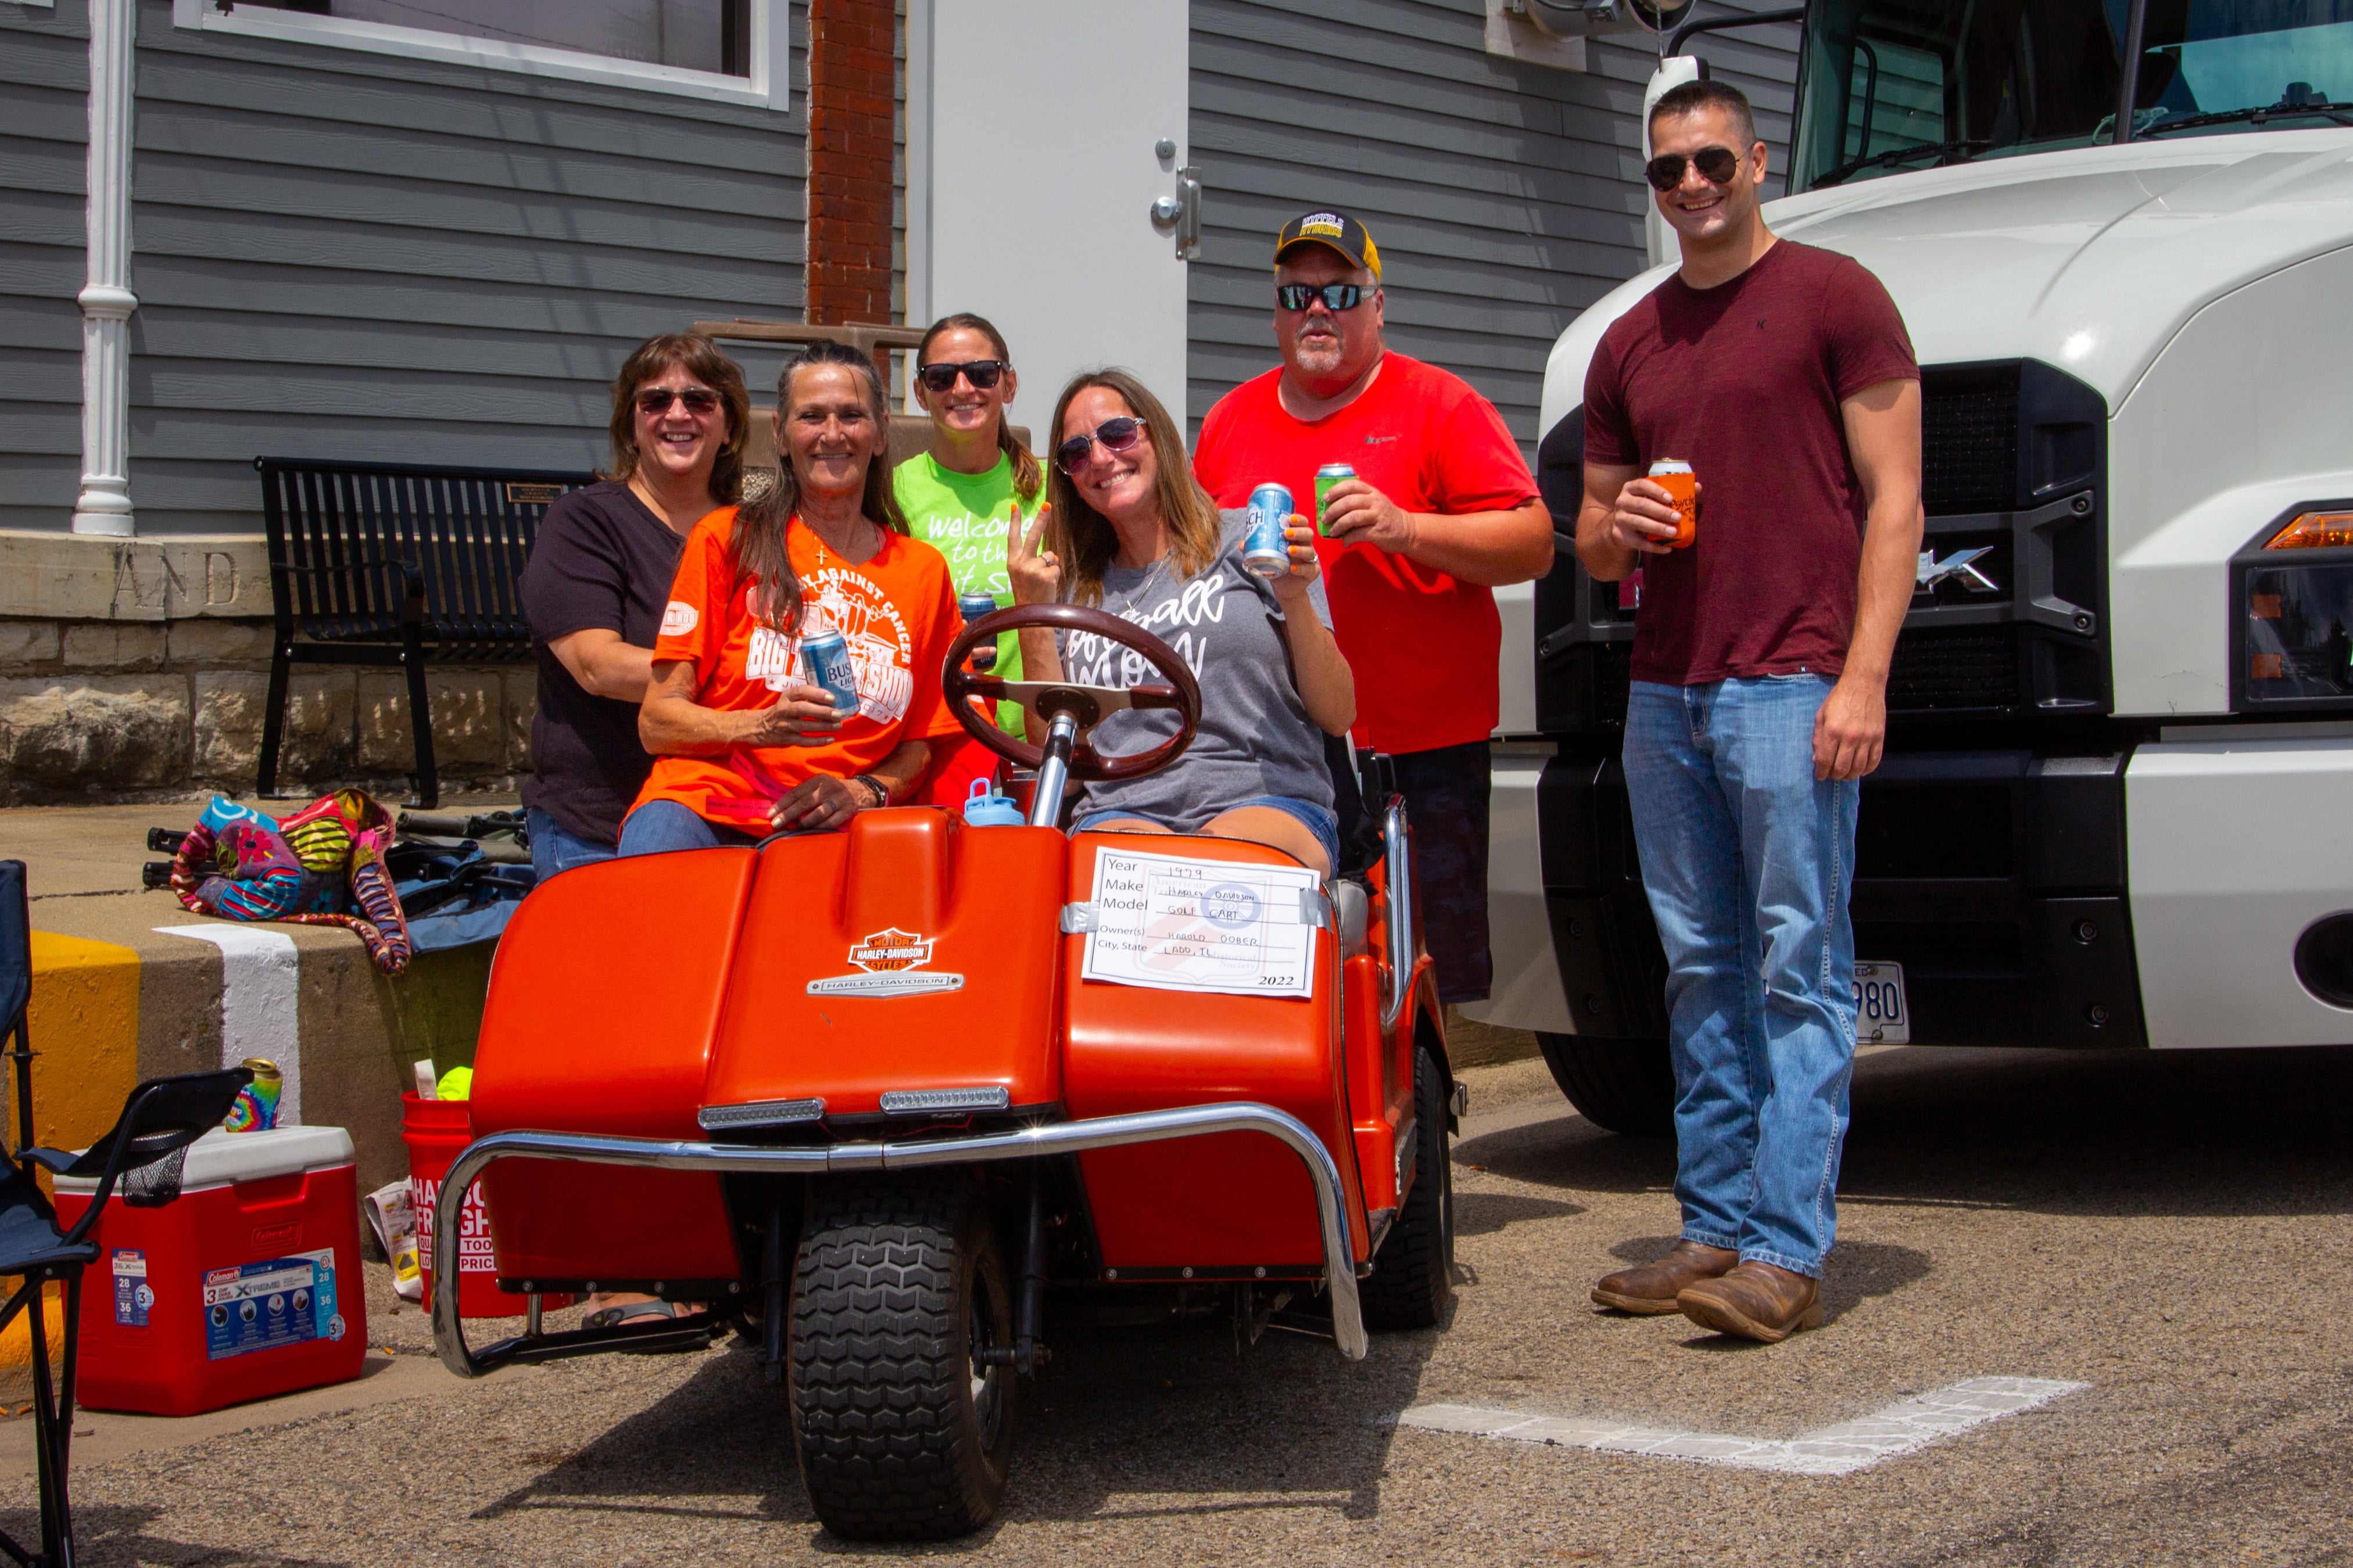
(941, 374)
(1336, 296)
(1118, 435)
(1716, 164)
(655, 401)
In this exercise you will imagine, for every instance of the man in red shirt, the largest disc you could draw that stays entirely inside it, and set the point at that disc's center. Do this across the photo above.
(1783, 376)
(1441, 511)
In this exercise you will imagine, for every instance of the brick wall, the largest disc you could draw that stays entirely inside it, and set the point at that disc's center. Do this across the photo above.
(850, 146)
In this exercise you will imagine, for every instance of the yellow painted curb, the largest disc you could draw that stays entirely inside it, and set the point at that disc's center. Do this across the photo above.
(85, 1029)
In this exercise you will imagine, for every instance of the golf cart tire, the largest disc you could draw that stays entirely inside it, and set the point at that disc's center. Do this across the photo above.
(1625, 1086)
(893, 1278)
(1413, 1273)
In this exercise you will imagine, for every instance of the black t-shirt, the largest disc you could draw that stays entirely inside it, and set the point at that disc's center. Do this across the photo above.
(602, 560)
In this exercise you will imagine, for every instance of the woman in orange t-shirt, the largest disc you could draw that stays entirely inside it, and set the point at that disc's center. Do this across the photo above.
(743, 745)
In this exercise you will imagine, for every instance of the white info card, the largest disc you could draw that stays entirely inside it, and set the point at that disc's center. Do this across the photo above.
(1202, 925)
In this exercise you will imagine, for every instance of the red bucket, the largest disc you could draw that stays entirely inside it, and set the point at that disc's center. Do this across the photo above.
(437, 1131)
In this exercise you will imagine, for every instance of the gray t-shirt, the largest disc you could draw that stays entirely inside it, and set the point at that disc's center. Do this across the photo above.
(1255, 737)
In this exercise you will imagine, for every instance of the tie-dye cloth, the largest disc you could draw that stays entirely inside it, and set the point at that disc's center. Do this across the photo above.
(322, 866)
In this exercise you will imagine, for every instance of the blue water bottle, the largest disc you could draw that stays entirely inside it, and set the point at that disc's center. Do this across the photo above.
(983, 808)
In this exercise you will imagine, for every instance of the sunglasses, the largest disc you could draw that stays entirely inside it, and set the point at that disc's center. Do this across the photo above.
(982, 373)
(699, 400)
(1118, 435)
(1336, 296)
(1718, 165)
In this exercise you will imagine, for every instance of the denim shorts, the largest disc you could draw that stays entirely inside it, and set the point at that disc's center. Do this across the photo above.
(1316, 819)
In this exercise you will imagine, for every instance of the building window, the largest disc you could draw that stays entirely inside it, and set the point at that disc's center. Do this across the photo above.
(726, 51)
(693, 35)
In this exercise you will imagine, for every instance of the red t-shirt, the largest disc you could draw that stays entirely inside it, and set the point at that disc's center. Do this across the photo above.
(1423, 647)
(898, 612)
(1743, 382)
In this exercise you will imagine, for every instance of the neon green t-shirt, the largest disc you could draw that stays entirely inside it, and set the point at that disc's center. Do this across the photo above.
(964, 517)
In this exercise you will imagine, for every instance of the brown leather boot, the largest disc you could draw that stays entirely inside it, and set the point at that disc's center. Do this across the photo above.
(1755, 1300)
(1649, 1290)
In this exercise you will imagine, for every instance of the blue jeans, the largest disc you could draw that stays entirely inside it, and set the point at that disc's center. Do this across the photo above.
(1748, 861)
(553, 850)
(659, 826)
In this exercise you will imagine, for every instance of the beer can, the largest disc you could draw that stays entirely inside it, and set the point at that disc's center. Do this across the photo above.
(972, 606)
(1265, 550)
(1675, 476)
(1327, 476)
(825, 662)
(255, 1110)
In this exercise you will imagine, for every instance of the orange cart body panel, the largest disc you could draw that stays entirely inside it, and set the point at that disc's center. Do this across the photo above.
(604, 998)
(910, 952)
(1234, 1201)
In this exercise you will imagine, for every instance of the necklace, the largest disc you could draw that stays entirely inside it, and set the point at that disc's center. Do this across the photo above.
(819, 539)
(1135, 594)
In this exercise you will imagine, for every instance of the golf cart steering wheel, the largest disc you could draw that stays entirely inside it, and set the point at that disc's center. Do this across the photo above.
(1089, 705)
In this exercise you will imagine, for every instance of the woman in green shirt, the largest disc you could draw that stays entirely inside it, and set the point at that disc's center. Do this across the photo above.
(961, 495)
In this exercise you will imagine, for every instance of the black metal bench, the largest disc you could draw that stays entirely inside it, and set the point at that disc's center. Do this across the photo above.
(396, 564)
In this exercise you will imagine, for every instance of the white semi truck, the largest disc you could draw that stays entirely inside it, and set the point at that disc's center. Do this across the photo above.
(2117, 807)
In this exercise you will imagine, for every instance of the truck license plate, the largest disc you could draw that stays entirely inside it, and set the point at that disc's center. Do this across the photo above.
(1881, 1014)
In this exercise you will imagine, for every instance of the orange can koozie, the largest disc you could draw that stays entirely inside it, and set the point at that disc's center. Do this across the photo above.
(1675, 476)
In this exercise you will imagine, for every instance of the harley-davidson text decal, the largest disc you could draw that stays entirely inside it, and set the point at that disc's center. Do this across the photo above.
(893, 962)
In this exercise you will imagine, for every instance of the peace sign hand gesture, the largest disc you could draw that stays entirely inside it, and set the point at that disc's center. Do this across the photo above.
(1037, 574)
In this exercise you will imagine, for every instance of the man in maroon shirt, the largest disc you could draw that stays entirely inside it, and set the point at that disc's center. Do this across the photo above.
(1783, 376)
(1441, 510)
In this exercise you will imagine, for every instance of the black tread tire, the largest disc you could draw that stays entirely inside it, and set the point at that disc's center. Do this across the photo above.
(1625, 1086)
(891, 1444)
(1413, 1273)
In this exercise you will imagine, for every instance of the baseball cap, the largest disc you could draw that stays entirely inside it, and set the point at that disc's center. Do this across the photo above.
(1337, 230)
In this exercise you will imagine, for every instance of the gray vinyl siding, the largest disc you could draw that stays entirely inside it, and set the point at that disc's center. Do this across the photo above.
(44, 131)
(1505, 197)
(344, 253)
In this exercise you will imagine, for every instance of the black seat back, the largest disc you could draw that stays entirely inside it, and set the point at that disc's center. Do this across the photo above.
(15, 944)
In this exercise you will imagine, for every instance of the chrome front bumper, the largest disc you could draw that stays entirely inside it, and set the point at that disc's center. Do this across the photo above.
(1025, 1143)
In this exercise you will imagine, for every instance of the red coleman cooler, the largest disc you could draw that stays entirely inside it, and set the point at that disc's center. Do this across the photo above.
(437, 1131)
(248, 1286)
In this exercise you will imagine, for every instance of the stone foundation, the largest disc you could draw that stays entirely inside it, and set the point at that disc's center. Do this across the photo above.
(139, 670)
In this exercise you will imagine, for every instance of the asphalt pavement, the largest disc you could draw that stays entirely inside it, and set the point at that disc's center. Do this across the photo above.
(2160, 1240)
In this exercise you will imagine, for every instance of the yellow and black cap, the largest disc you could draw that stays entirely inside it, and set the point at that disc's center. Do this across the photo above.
(1338, 231)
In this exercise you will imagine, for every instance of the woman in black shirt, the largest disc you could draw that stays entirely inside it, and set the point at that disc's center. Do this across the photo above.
(599, 577)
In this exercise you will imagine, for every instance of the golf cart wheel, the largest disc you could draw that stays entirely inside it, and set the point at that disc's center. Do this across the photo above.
(1413, 1273)
(904, 1433)
(1625, 1086)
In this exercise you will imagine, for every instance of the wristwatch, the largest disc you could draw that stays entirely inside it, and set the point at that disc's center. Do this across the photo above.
(882, 791)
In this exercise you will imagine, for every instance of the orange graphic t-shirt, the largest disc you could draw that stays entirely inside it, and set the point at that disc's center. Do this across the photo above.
(898, 612)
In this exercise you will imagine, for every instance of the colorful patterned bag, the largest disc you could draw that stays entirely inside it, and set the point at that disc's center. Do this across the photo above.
(322, 866)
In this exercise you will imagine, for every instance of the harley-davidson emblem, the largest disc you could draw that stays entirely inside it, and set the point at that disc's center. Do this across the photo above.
(892, 949)
(1958, 567)
(893, 962)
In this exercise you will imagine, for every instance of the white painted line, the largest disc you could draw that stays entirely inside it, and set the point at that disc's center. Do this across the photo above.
(1904, 1427)
(260, 1002)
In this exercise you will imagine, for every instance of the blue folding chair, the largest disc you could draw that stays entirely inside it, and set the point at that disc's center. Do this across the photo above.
(160, 1119)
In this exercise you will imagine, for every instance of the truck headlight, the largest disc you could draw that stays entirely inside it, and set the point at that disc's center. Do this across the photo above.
(2295, 630)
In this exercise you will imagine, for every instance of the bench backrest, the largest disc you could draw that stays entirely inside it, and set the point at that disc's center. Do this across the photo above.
(465, 531)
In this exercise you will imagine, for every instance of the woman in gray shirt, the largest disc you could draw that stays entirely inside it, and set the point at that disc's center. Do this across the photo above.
(1128, 529)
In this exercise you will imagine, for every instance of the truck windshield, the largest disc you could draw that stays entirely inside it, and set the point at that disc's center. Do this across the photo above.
(1887, 86)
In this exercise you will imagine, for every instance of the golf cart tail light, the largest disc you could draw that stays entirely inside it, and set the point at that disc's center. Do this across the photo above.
(907, 1101)
(2314, 531)
(759, 1113)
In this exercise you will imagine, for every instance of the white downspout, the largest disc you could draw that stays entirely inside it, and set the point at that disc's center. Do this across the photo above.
(105, 504)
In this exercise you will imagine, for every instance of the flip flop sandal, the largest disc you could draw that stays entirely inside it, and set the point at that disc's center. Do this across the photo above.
(614, 1317)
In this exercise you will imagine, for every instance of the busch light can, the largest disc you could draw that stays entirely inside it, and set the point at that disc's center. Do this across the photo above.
(972, 606)
(825, 660)
(1327, 476)
(1265, 551)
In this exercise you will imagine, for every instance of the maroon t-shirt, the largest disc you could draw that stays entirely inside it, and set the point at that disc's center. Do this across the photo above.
(1743, 382)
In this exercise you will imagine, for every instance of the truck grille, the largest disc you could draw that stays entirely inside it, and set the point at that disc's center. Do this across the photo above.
(1968, 432)
(1954, 670)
